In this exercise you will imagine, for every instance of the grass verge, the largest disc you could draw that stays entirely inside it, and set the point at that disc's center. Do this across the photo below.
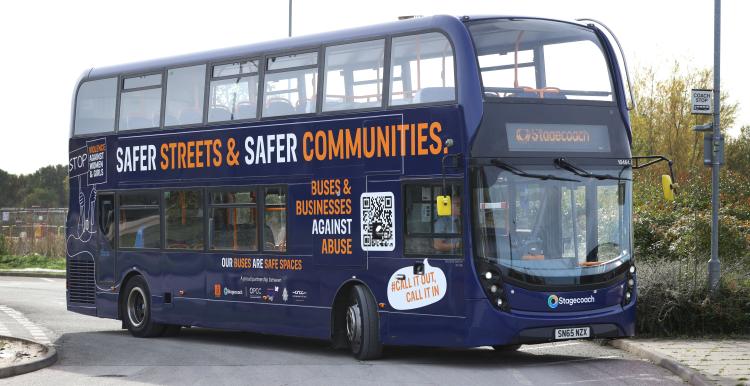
(31, 261)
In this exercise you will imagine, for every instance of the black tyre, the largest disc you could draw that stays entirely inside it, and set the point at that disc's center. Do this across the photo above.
(363, 324)
(171, 330)
(507, 348)
(136, 309)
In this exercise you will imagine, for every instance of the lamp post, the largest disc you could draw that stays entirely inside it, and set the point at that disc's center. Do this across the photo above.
(714, 266)
(290, 18)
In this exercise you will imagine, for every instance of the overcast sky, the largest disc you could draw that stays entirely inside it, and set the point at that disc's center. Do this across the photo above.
(47, 45)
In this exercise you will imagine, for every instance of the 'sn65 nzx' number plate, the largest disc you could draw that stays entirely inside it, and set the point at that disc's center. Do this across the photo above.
(572, 333)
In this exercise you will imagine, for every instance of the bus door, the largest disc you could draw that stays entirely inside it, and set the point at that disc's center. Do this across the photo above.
(423, 276)
(103, 221)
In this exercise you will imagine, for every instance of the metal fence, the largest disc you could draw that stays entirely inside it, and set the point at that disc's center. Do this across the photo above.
(33, 230)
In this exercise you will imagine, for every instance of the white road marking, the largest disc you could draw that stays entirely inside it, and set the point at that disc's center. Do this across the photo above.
(47, 280)
(546, 346)
(35, 331)
(4, 330)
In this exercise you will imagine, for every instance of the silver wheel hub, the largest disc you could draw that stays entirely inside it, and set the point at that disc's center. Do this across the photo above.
(353, 324)
(136, 307)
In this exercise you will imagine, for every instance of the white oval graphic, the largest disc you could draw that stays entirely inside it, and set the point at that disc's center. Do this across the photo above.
(407, 291)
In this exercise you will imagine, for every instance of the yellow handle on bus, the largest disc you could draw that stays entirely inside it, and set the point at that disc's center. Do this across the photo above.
(443, 205)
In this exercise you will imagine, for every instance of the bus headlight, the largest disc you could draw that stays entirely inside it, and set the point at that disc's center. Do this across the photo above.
(627, 297)
(493, 286)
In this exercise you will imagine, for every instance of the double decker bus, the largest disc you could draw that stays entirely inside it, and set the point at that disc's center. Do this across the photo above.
(437, 181)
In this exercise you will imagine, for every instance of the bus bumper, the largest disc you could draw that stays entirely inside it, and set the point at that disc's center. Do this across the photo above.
(490, 326)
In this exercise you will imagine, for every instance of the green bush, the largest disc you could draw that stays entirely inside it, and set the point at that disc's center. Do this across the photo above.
(665, 231)
(3, 246)
(673, 300)
(672, 245)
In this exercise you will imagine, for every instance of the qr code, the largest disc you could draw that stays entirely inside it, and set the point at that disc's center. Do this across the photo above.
(378, 221)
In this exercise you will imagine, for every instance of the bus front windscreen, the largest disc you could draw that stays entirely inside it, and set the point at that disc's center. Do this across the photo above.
(550, 226)
(542, 59)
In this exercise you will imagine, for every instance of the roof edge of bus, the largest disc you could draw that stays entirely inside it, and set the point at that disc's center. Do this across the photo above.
(488, 17)
(276, 46)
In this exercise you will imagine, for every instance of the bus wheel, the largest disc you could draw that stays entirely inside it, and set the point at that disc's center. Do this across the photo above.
(507, 348)
(171, 330)
(362, 325)
(136, 310)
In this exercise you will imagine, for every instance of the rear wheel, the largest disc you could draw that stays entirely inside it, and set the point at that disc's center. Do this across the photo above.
(363, 325)
(136, 310)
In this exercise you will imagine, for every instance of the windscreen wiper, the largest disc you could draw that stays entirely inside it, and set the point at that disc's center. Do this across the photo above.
(519, 172)
(573, 168)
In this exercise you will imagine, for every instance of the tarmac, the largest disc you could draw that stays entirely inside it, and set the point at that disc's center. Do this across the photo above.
(724, 362)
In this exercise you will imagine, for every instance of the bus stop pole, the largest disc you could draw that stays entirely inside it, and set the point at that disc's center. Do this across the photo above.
(714, 266)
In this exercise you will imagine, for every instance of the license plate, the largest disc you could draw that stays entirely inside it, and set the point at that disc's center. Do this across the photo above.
(572, 333)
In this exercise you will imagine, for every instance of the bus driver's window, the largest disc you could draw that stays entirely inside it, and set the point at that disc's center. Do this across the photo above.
(426, 232)
(449, 225)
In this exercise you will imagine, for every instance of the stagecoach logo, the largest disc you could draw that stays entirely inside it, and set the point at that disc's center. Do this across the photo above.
(285, 295)
(528, 135)
(553, 301)
(228, 291)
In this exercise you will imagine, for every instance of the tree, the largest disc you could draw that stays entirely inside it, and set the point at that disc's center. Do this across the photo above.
(737, 151)
(662, 123)
(47, 187)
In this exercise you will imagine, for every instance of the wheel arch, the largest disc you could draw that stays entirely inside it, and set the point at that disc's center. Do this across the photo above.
(128, 276)
(338, 323)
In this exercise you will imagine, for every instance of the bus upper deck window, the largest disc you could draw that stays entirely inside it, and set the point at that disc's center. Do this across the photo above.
(354, 76)
(95, 106)
(422, 69)
(185, 89)
(140, 102)
(290, 85)
(234, 91)
(540, 59)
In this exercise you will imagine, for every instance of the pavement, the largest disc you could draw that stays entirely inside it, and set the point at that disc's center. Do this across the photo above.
(93, 350)
(723, 362)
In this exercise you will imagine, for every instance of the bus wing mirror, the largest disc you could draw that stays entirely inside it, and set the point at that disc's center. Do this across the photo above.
(443, 204)
(668, 187)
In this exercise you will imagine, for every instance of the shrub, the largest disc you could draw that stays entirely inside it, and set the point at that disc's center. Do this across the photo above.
(673, 299)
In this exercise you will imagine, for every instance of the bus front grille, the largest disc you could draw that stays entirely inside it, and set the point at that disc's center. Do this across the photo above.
(81, 287)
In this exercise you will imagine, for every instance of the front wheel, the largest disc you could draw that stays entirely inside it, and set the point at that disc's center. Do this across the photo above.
(136, 310)
(363, 325)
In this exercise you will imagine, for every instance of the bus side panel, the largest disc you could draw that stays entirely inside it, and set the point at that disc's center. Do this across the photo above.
(270, 318)
(89, 258)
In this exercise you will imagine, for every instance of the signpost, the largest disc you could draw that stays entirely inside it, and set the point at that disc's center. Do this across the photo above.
(702, 102)
(707, 102)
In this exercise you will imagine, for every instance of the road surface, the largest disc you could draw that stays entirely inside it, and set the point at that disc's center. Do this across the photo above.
(97, 351)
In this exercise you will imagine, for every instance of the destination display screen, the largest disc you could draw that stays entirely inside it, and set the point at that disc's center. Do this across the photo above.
(557, 137)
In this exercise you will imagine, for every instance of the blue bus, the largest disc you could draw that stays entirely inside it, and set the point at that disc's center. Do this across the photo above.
(437, 181)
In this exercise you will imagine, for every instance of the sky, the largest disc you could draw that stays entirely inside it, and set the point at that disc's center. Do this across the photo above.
(47, 45)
